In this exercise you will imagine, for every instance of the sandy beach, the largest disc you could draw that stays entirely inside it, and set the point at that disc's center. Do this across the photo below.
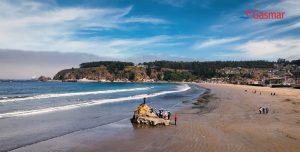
(229, 122)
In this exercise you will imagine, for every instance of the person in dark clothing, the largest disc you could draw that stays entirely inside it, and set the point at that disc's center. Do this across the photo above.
(260, 110)
(160, 113)
(263, 109)
(169, 115)
(267, 110)
(151, 110)
(175, 118)
(144, 100)
(156, 112)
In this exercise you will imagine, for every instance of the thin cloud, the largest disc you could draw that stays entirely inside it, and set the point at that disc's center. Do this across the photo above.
(182, 3)
(174, 3)
(146, 20)
(285, 48)
(232, 22)
(38, 26)
(215, 42)
(261, 39)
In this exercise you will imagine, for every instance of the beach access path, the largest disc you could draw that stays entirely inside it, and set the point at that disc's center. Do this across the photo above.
(229, 122)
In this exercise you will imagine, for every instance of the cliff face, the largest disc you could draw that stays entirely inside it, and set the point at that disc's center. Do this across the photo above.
(122, 71)
(95, 73)
(129, 73)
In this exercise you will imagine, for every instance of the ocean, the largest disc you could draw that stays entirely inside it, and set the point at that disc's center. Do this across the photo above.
(32, 111)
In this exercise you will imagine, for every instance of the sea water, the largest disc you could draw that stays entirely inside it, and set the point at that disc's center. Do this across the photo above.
(32, 111)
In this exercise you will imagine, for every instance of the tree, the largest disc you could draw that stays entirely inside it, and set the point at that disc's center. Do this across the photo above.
(131, 76)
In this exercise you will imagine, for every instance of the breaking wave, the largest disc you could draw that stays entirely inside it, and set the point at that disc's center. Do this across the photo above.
(45, 96)
(91, 103)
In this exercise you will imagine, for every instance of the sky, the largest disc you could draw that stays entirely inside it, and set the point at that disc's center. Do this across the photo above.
(42, 37)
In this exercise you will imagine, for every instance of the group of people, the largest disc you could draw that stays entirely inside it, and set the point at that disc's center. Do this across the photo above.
(272, 93)
(161, 113)
(253, 92)
(165, 114)
(263, 110)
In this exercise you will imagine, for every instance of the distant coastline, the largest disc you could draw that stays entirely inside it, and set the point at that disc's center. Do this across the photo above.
(282, 73)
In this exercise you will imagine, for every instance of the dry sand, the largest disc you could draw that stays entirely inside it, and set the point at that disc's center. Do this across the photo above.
(230, 122)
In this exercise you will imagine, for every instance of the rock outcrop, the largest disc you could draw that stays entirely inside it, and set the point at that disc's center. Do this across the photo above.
(44, 78)
(144, 115)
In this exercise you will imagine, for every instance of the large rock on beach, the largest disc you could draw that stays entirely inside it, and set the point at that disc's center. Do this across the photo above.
(144, 115)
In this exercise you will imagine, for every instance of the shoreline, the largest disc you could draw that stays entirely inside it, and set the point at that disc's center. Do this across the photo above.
(228, 122)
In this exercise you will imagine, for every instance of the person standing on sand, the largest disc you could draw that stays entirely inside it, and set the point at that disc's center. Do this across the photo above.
(267, 110)
(260, 110)
(169, 115)
(175, 118)
(144, 100)
(263, 109)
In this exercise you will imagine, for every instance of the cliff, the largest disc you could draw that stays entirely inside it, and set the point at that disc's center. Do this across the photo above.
(129, 73)
(139, 73)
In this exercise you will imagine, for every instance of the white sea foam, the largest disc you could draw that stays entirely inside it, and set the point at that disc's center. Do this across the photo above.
(45, 96)
(91, 103)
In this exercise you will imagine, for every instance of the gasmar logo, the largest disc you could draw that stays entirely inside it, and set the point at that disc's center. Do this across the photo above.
(263, 15)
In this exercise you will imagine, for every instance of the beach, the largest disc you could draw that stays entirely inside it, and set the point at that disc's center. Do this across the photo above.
(229, 122)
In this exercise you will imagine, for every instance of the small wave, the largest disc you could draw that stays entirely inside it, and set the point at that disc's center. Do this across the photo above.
(11, 97)
(45, 96)
(92, 103)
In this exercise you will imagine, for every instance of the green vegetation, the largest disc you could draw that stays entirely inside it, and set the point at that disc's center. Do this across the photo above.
(208, 69)
(132, 76)
(112, 66)
(296, 62)
(174, 70)
(178, 76)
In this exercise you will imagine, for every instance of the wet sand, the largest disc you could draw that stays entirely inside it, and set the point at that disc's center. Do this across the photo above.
(229, 122)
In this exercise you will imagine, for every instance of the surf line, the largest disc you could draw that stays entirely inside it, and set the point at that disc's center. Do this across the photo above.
(92, 103)
(45, 96)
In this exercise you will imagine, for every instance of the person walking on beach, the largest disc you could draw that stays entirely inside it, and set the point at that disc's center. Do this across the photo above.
(267, 110)
(175, 118)
(263, 109)
(260, 110)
